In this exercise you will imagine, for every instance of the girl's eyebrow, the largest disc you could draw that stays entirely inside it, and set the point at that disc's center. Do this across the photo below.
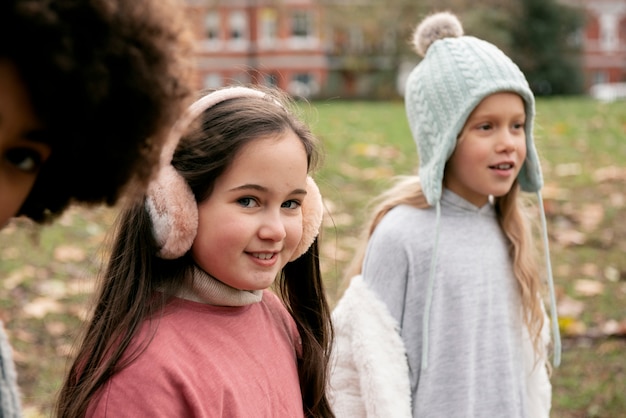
(257, 187)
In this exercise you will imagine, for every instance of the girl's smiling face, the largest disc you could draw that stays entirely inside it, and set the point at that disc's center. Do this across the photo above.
(251, 223)
(490, 151)
(22, 152)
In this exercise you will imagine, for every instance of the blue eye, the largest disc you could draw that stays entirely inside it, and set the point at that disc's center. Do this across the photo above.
(291, 204)
(25, 159)
(247, 202)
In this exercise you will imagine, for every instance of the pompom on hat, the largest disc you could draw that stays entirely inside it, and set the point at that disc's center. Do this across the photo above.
(456, 73)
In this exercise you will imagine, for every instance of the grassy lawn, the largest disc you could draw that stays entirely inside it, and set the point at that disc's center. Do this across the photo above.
(48, 273)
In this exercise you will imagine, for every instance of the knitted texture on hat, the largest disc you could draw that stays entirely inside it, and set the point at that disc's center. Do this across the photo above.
(455, 75)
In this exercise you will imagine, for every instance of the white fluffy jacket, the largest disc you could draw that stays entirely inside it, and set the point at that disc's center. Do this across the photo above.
(370, 376)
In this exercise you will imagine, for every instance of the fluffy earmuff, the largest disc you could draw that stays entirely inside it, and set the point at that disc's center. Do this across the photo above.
(312, 215)
(172, 206)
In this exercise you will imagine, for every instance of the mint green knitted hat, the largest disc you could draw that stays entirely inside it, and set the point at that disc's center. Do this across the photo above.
(455, 75)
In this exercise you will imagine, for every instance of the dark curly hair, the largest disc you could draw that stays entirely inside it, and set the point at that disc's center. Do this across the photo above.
(106, 78)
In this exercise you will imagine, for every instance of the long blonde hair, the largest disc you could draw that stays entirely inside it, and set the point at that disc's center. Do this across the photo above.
(513, 219)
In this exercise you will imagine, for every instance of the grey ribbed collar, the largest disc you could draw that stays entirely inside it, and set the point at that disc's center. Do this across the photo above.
(206, 289)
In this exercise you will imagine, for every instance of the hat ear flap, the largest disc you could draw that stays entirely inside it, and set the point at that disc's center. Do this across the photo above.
(312, 215)
(174, 213)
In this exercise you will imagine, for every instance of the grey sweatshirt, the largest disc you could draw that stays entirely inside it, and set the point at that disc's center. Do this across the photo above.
(475, 357)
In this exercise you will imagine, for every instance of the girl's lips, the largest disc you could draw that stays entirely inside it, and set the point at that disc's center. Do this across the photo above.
(502, 166)
(264, 258)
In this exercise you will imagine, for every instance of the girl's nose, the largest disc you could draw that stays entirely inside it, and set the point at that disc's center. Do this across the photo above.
(272, 226)
(507, 141)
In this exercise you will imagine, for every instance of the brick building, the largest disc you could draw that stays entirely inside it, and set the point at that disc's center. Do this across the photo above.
(603, 41)
(291, 44)
(269, 42)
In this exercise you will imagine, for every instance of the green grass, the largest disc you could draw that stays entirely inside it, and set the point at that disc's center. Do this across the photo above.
(582, 145)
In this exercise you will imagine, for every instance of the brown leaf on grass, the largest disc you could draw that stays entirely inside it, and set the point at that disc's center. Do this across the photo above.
(590, 270)
(614, 328)
(56, 328)
(69, 253)
(590, 216)
(55, 289)
(612, 274)
(42, 306)
(610, 173)
(19, 276)
(24, 335)
(569, 307)
(586, 287)
(568, 169)
(569, 237)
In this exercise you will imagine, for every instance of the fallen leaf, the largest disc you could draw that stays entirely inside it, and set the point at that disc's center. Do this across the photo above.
(40, 307)
(18, 277)
(612, 274)
(610, 173)
(56, 328)
(588, 287)
(67, 253)
(590, 216)
(570, 237)
(611, 327)
(55, 289)
(568, 170)
(590, 270)
(570, 307)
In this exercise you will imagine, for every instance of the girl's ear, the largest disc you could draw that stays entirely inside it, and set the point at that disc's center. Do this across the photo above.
(312, 215)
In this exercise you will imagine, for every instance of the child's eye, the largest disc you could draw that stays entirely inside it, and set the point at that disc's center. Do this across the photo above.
(25, 159)
(484, 127)
(518, 125)
(291, 204)
(247, 202)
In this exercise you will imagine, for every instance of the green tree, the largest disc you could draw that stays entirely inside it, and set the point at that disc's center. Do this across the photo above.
(544, 46)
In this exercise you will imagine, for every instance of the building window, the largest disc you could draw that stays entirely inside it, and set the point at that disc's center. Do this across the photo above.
(212, 26)
(608, 32)
(268, 26)
(302, 85)
(301, 24)
(238, 26)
